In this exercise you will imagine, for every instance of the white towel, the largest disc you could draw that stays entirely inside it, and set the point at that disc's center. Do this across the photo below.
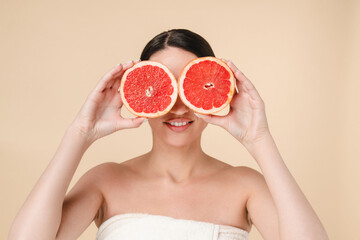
(142, 226)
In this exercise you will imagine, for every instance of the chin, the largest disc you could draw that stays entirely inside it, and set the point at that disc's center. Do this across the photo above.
(179, 141)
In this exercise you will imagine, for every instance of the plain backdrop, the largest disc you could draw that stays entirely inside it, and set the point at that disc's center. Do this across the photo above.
(302, 56)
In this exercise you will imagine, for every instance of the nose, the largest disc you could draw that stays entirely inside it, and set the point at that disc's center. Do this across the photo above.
(179, 107)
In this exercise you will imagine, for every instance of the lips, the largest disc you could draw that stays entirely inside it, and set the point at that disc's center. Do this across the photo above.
(178, 124)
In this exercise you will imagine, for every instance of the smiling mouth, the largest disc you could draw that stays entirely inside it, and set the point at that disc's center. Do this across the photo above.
(178, 124)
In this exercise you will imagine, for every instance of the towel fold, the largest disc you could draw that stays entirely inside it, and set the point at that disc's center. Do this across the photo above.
(142, 226)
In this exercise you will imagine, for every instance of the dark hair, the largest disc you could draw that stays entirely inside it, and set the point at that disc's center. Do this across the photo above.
(180, 38)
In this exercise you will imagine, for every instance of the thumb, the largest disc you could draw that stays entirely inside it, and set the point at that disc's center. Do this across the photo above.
(129, 123)
(212, 119)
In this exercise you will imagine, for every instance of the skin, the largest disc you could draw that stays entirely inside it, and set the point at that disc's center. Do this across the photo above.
(176, 178)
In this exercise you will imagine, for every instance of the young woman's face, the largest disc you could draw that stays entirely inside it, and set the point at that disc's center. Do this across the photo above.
(179, 127)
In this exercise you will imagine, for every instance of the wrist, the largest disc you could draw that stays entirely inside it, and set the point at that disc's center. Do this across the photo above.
(79, 136)
(265, 152)
(258, 144)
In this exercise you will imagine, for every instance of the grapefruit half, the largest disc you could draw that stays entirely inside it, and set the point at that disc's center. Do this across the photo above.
(206, 85)
(148, 89)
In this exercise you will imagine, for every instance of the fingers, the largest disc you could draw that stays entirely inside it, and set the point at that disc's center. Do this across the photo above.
(212, 119)
(111, 78)
(243, 82)
(124, 123)
(108, 78)
(116, 83)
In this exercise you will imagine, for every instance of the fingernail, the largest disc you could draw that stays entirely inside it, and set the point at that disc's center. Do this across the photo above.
(127, 64)
(236, 88)
(196, 114)
(145, 120)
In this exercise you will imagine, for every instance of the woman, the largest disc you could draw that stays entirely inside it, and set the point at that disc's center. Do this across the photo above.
(176, 186)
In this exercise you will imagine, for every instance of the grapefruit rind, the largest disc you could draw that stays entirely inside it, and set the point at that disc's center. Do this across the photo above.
(183, 76)
(173, 96)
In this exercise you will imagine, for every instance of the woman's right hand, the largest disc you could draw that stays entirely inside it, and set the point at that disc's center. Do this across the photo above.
(101, 113)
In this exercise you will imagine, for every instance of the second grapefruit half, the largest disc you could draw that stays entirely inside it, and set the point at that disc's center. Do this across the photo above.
(206, 85)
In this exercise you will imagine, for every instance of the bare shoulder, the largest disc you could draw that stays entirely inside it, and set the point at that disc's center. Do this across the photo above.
(103, 172)
(244, 173)
(246, 178)
(249, 173)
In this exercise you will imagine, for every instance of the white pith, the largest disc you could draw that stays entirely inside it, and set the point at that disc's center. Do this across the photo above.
(150, 90)
(182, 78)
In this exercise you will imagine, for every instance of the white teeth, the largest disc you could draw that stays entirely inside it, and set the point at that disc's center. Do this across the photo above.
(178, 124)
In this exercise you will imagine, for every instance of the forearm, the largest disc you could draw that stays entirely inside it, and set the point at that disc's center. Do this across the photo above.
(40, 215)
(297, 219)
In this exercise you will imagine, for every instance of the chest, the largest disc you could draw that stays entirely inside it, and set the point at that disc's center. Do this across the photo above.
(210, 200)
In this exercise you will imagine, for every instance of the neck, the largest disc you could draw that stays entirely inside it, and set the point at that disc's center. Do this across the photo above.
(177, 163)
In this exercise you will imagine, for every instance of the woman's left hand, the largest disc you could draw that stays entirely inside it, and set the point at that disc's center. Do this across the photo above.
(246, 120)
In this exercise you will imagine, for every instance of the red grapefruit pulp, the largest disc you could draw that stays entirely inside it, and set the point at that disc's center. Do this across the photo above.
(148, 89)
(206, 85)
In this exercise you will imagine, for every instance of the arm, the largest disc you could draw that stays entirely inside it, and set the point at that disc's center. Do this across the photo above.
(40, 215)
(276, 206)
(45, 215)
(81, 205)
(296, 217)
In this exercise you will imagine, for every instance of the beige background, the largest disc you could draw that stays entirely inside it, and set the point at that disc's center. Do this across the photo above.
(302, 56)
